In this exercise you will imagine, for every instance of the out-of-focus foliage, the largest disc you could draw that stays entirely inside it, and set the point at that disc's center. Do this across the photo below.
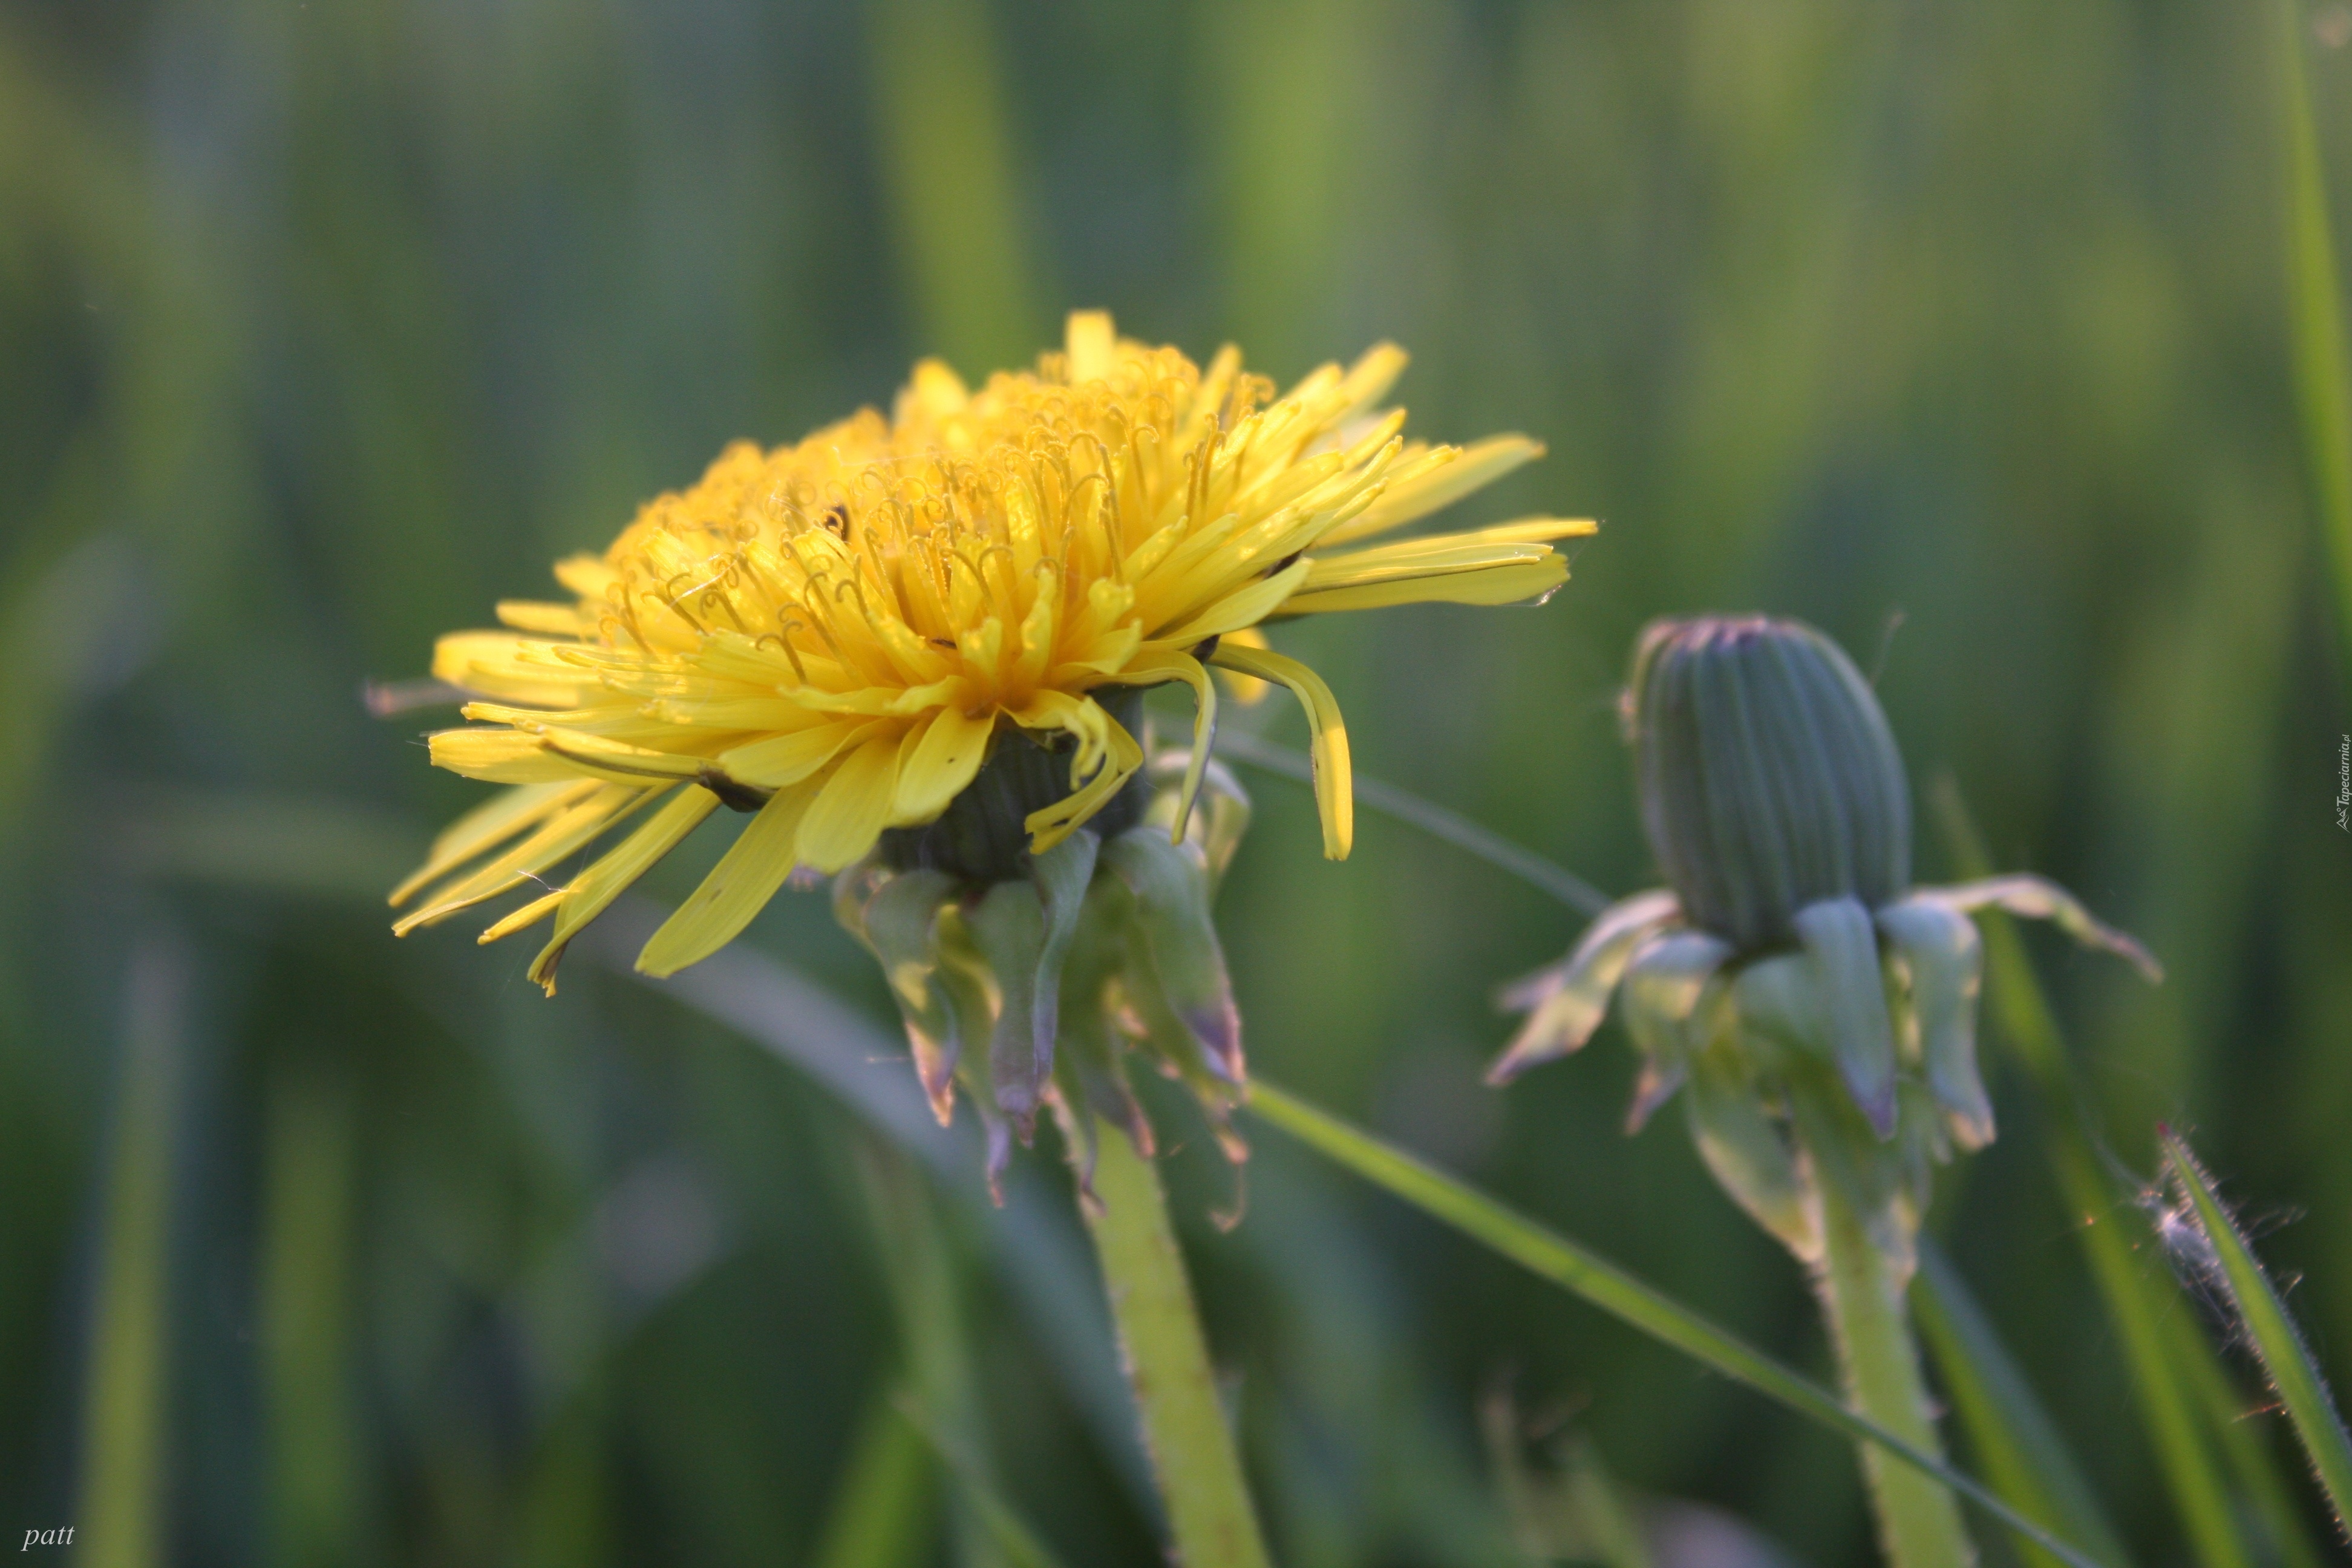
(322, 326)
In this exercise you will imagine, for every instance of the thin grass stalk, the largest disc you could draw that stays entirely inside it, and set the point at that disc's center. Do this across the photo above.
(313, 1478)
(2270, 1498)
(882, 1508)
(926, 1285)
(1440, 822)
(1549, 1256)
(1011, 1539)
(120, 1513)
(2012, 1437)
(1210, 1518)
(2186, 1454)
(2323, 387)
(952, 174)
(2284, 1356)
(1609, 1520)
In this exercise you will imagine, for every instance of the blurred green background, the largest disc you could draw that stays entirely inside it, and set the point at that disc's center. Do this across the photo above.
(322, 326)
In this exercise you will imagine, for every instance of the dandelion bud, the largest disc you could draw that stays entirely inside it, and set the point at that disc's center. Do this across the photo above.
(1027, 975)
(1820, 1009)
(1768, 779)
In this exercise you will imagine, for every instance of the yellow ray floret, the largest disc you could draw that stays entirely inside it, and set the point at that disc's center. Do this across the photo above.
(832, 634)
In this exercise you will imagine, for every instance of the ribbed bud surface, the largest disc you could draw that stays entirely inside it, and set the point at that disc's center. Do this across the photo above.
(1768, 778)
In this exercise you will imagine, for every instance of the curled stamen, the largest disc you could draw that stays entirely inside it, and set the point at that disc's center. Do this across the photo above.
(784, 641)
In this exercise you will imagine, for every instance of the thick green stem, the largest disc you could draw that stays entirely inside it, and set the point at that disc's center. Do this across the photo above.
(1167, 1363)
(1861, 1297)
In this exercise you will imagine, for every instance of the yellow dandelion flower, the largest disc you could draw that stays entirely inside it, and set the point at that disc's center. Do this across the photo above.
(831, 635)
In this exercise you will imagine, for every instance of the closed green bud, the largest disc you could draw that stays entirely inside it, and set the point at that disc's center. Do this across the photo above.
(1821, 1010)
(1768, 779)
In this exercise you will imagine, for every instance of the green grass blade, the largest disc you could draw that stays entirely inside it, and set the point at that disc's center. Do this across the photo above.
(882, 1508)
(1608, 1518)
(799, 1022)
(2024, 1456)
(924, 1278)
(315, 1468)
(2185, 1449)
(1019, 1545)
(125, 1427)
(2323, 391)
(953, 175)
(2284, 1356)
(2286, 1537)
(1551, 1257)
(1439, 822)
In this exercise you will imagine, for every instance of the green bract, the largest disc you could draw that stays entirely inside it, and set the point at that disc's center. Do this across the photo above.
(1027, 977)
(1791, 975)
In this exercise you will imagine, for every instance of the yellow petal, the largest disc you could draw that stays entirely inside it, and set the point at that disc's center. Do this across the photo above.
(1246, 607)
(1496, 582)
(512, 668)
(1247, 689)
(1335, 798)
(489, 825)
(1092, 344)
(1183, 667)
(531, 914)
(499, 756)
(1532, 530)
(738, 888)
(942, 756)
(532, 616)
(1523, 531)
(1121, 756)
(558, 836)
(593, 890)
(782, 760)
(936, 390)
(1370, 377)
(1439, 485)
(853, 805)
(618, 761)
(586, 576)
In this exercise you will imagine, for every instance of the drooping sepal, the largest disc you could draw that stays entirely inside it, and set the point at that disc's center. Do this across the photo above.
(1087, 1070)
(2032, 898)
(1671, 986)
(898, 921)
(1171, 885)
(1944, 959)
(1008, 927)
(1023, 930)
(1838, 937)
(1565, 1002)
(1030, 983)
(1746, 1148)
(963, 974)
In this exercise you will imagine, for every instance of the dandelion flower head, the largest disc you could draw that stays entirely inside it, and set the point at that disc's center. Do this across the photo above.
(831, 635)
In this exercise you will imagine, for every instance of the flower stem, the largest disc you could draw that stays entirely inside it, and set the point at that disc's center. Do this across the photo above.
(1862, 1294)
(1167, 1363)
